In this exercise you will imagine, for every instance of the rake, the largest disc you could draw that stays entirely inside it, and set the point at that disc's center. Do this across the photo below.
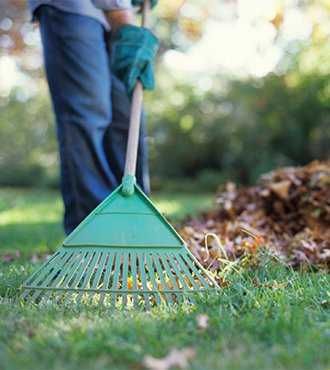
(125, 253)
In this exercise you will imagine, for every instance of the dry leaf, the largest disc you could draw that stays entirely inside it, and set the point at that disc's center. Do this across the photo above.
(288, 211)
(202, 321)
(176, 358)
(254, 233)
(130, 282)
(281, 189)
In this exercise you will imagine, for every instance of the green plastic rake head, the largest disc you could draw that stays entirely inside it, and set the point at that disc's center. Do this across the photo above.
(123, 254)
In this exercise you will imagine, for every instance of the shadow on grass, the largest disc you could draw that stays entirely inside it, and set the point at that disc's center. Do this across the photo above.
(30, 238)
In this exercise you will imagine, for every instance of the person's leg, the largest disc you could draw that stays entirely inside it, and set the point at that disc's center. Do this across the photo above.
(77, 68)
(116, 137)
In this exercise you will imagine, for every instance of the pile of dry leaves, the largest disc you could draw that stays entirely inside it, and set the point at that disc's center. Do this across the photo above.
(288, 211)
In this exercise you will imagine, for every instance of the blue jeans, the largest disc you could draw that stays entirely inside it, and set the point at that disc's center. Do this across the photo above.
(92, 112)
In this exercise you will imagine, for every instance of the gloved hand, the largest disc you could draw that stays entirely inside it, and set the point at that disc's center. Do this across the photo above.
(140, 3)
(132, 56)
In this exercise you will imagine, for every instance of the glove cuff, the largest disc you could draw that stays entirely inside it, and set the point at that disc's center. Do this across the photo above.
(130, 33)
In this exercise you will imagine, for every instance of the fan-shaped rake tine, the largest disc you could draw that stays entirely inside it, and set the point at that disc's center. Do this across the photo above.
(30, 280)
(175, 266)
(98, 274)
(58, 282)
(61, 280)
(47, 279)
(187, 273)
(50, 268)
(69, 270)
(87, 275)
(160, 272)
(124, 279)
(73, 270)
(107, 276)
(115, 281)
(176, 288)
(144, 281)
(189, 260)
(78, 278)
(134, 278)
(130, 294)
(74, 285)
(153, 278)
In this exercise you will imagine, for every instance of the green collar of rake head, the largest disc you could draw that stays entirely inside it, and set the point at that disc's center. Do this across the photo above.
(128, 183)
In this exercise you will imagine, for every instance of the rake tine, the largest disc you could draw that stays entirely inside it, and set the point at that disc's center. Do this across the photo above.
(173, 263)
(188, 261)
(206, 272)
(172, 278)
(87, 275)
(81, 270)
(52, 267)
(144, 280)
(185, 270)
(129, 280)
(80, 267)
(113, 298)
(167, 296)
(124, 279)
(152, 278)
(29, 281)
(64, 271)
(71, 269)
(107, 276)
(62, 277)
(98, 274)
(134, 277)
(48, 278)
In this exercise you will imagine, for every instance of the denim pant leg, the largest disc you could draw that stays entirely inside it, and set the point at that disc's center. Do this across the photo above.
(79, 78)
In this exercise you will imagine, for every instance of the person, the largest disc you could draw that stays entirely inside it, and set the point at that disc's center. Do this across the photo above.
(93, 55)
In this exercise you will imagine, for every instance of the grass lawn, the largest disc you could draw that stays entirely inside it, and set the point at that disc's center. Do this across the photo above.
(268, 317)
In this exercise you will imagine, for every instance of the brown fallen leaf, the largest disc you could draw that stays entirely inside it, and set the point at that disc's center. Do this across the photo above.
(202, 321)
(325, 255)
(281, 189)
(287, 212)
(176, 358)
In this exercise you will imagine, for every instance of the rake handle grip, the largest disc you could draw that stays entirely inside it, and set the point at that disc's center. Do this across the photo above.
(136, 111)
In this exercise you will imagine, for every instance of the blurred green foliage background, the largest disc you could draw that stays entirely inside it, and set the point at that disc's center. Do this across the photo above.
(205, 126)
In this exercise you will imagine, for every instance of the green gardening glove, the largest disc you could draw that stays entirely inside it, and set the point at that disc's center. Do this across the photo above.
(132, 56)
(140, 3)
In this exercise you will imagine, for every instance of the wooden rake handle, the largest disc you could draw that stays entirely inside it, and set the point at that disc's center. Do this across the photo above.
(136, 110)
